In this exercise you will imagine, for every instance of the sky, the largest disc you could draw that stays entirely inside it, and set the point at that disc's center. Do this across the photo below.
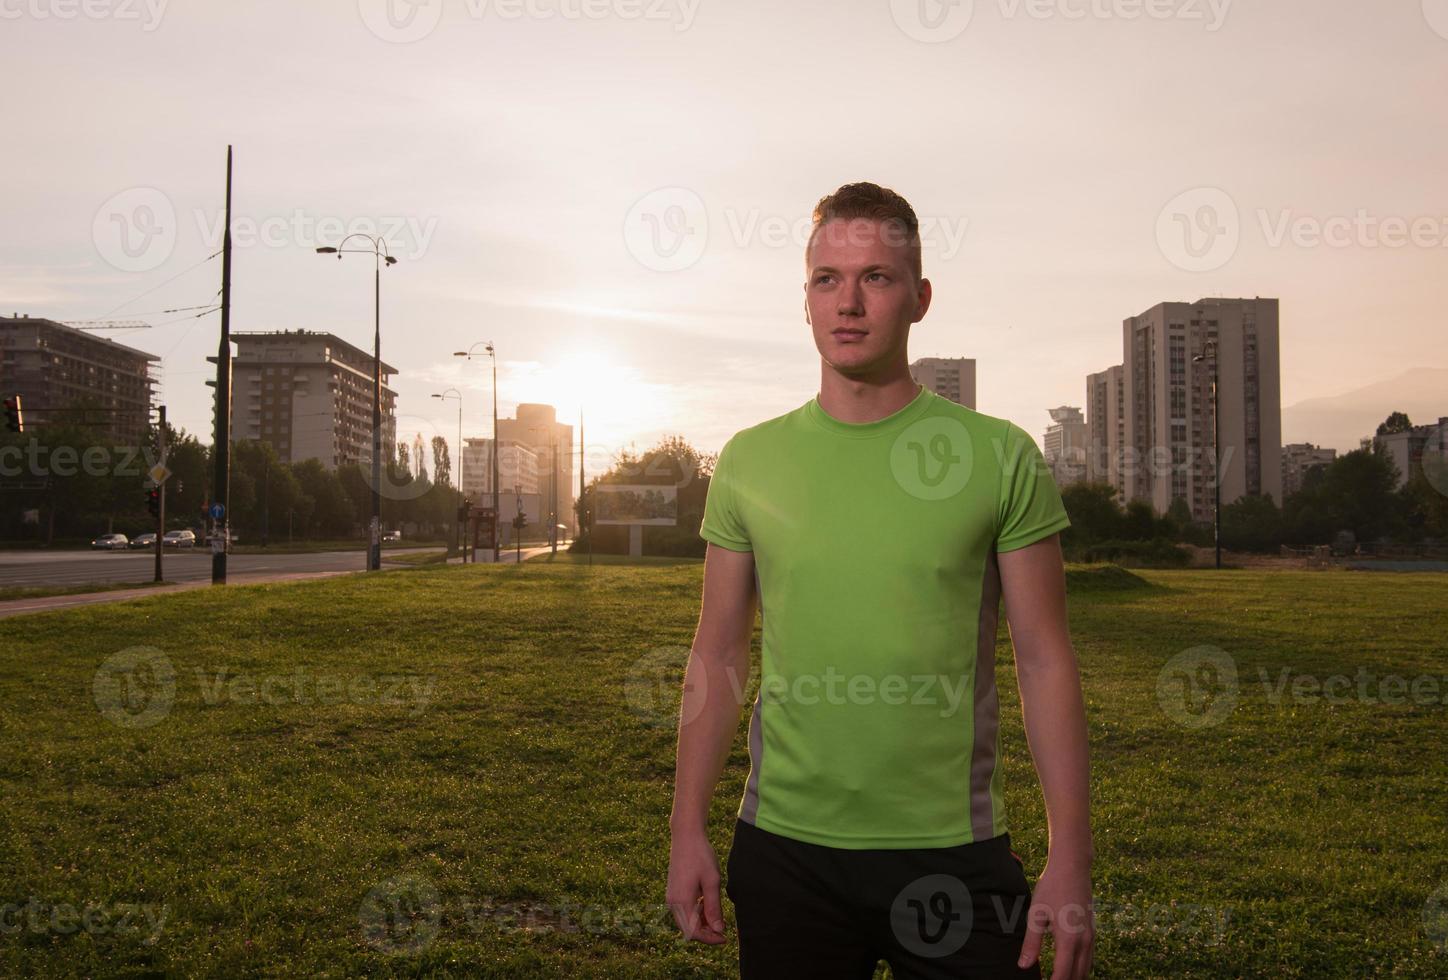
(616, 192)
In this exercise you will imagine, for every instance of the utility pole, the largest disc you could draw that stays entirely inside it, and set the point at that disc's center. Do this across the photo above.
(222, 448)
(582, 509)
(161, 494)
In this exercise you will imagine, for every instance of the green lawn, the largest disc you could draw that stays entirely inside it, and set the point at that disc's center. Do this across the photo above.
(465, 771)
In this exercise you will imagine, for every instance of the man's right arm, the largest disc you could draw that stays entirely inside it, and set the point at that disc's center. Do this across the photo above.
(714, 685)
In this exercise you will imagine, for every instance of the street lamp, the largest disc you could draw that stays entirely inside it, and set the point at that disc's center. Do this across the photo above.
(487, 345)
(379, 253)
(454, 393)
(1216, 445)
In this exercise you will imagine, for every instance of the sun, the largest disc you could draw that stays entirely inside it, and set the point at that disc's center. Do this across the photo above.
(619, 406)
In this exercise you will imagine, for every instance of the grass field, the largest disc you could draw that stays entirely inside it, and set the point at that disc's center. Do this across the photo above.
(465, 771)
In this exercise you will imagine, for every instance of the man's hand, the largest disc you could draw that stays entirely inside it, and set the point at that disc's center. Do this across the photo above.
(693, 890)
(1061, 905)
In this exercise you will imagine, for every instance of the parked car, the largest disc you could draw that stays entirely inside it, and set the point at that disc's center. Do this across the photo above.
(110, 542)
(391, 535)
(179, 539)
(147, 540)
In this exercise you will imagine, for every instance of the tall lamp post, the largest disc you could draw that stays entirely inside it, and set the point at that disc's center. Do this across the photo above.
(454, 393)
(378, 250)
(487, 346)
(1211, 346)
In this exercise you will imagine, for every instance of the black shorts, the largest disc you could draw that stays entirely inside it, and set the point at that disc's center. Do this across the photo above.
(805, 910)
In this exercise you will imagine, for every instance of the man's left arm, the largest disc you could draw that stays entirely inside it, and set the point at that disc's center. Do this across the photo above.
(1033, 584)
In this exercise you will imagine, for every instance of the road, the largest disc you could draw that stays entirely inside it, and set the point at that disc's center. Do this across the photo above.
(37, 569)
(185, 568)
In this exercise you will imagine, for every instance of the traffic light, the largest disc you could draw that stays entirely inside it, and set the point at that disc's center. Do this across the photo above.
(14, 419)
(153, 501)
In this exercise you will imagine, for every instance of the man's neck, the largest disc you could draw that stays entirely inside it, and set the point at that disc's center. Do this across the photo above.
(865, 399)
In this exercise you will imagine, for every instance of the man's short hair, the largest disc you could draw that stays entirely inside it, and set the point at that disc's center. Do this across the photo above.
(899, 226)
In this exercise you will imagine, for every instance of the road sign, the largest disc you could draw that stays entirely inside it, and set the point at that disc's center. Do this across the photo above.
(158, 473)
(216, 511)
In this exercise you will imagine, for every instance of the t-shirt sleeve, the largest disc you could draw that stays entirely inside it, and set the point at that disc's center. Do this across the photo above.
(723, 523)
(1030, 502)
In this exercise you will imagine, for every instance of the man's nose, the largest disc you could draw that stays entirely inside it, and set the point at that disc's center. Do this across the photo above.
(851, 299)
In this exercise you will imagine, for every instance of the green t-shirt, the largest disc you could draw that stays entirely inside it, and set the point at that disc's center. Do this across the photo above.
(877, 721)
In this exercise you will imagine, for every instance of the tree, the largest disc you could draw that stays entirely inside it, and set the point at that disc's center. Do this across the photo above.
(441, 462)
(1252, 523)
(1094, 513)
(331, 515)
(1396, 422)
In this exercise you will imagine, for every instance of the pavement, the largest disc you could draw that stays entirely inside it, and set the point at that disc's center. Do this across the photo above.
(183, 569)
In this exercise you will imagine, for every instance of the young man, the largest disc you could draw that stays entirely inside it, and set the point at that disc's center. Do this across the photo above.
(877, 528)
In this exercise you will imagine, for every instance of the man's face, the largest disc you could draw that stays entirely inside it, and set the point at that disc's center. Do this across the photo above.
(861, 295)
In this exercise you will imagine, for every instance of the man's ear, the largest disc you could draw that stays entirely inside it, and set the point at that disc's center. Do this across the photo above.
(806, 304)
(923, 295)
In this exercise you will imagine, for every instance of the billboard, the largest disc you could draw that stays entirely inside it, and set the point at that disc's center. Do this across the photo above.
(636, 504)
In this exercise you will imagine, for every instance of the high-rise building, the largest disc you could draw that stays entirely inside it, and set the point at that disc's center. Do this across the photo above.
(309, 394)
(57, 369)
(1406, 448)
(1297, 459)
(1168, 438)
(517, 470)
(1106, 428)
(537, 427)
(1064, 445)
(949, 377)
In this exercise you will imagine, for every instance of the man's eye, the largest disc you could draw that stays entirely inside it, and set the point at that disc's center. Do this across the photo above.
(876, 275)
(822, 277)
